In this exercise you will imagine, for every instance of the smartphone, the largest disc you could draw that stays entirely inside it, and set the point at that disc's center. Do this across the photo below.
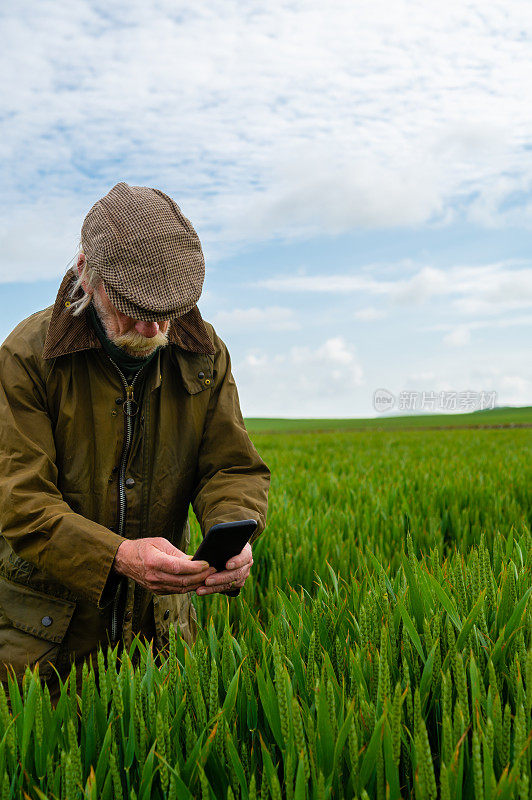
(222, 542)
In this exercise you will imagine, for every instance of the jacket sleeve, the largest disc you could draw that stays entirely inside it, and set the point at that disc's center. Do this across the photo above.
(232, 480)
(35, 520)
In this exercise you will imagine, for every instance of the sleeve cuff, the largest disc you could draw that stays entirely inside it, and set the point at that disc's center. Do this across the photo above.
(112, 580)
(234, 514)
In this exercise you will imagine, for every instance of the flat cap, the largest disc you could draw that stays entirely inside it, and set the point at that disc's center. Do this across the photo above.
(146, 252)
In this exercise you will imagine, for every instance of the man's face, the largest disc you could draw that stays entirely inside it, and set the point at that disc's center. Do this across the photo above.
(135, 337)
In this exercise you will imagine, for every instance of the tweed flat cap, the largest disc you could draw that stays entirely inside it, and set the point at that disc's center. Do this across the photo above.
(146, 252)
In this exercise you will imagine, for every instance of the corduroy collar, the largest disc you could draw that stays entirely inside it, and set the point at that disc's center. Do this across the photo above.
(68, 334)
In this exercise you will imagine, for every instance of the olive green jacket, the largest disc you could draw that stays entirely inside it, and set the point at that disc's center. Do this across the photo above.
(76, 480)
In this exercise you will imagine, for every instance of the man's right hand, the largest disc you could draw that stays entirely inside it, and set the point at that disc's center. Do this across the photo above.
(160, 567)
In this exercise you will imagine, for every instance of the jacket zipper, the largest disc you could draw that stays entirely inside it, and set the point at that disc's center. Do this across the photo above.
(130, 408)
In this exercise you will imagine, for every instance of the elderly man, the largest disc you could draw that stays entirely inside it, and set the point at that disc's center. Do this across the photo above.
(118, 410)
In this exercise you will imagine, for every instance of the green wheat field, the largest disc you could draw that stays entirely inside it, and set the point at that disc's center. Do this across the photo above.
(382, 647)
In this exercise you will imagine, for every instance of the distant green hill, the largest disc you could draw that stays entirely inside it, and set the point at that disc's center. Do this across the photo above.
(507, 416)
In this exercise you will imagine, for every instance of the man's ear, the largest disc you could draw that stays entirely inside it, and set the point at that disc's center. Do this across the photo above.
(80, 265)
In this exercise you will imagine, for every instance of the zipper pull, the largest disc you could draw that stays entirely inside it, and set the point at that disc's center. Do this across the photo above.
(130, 406)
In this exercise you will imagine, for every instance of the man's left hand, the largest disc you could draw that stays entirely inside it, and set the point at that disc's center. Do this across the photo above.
(235, 574)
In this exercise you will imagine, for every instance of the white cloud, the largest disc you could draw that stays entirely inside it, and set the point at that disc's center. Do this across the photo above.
(423, 377)
(508, 374)
(369, 314)
(458, 337)
(275, 318)
(304, 381)
(336, 351)
(262, 120)
(489, 289)
(517, 388)
(331, 284)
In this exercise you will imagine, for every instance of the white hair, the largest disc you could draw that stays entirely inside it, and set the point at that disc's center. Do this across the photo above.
(91, 278)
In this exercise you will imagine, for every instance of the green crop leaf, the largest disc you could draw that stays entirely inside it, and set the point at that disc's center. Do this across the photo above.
(446, 601)
(230, 697)
(409, 625)
(475, 685)
(183, 792)
(392, 773)
(510, 627)
(325, 732)
(426, 678)
(148, 773)
(470, 621)
(269, 703)
(237, 766)
(370, 756)
(29, 717)
(102, 767)
(300, 792)
(418, 606)
(291, 612)
(40, 795)
(341, 739)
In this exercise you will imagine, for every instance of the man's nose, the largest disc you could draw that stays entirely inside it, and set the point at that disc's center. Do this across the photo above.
(147, 329)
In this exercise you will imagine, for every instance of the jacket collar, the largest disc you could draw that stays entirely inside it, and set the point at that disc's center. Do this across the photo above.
(68, 334)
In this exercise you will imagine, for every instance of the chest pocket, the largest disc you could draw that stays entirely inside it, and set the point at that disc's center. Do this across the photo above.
(196, 370)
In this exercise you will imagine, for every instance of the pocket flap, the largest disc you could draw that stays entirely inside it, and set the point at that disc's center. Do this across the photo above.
(37, 613)
(196, 371)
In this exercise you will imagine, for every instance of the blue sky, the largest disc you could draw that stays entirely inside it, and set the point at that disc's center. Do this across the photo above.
(360, 177)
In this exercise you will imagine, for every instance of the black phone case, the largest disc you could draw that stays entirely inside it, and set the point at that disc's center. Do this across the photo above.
(222, 542)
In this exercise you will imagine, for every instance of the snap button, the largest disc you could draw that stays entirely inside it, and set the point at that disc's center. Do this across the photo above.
(119, 401)
(127, 616)
(46, 621)
(67, 303)
(166, 614)
(201, 375)
(130, 482)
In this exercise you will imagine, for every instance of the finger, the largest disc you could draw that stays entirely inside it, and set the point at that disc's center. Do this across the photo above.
(164, 583)
(197, 579)
(174, 565)
(179, 583)
(168, 589)
(226, 576)
(243, 558)
(205, 590)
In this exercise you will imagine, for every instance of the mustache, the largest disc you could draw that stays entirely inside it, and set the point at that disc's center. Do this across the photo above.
(136, 342)
(136, 338)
